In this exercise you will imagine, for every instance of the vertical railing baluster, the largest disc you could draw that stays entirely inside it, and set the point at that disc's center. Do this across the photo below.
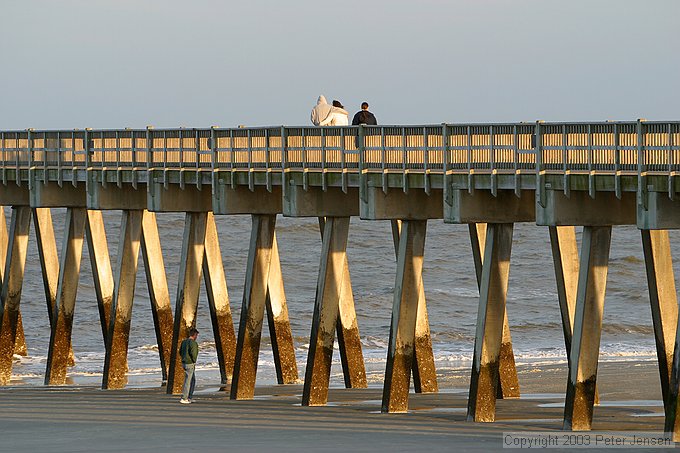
(426, 161)
(232, 174)
(213, 160)
(267, 159)
(538, 155)
(404, 161)
(617, 162)
(4, 157)
(642, 167)
(471, 186)
(251, 183)
(149, 156)
(383, 146)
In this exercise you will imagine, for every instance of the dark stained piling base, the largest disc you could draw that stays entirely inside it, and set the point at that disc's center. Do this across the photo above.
(402, 343)
(508, 385)
(10, 293)
(490, 320)
(585, 348)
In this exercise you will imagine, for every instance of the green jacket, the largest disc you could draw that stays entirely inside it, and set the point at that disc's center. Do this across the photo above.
(188, 350)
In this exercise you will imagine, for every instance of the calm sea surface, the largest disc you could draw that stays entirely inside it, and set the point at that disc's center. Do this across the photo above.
(450, 287)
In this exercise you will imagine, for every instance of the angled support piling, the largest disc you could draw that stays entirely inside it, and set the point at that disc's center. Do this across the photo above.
(565, 260)
(49, 261)
(10, 294)
(347, 327)
(138, 230)
(188, 285)
(664, 304)
(402, 343)
(118, 336)
(62, 318)
(253, 307)
(424, 370)
(20, 340)
(279, 324)
(508, 385)
(326, 311)
(157, 284)
(100, 261)
(218, 300)
(585, 346)
(490, 320)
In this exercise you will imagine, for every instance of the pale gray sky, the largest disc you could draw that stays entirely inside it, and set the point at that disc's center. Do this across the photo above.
(117, 63)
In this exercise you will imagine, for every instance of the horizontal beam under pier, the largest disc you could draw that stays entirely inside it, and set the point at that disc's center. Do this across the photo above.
(317, 202)
(175, 198)
(13, 195)
(243, 200)
(658, 212)
(481, 206)
(580, 209)
(112, 197)
(395, 204)
(50, 195)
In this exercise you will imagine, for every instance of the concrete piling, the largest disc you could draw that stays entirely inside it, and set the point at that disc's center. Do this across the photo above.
(508, 385)
(424, 369)
(253, 307)
(218, 301)
(585, 347)
(279, 323)
(157, 284)
(20, 340)
(347, 328)
(118, 336)
(100, 261)
(490, 320)
(49, 261)
(664, 303)
(326, 311)
(188, 285)
(12, 282)
(402, 343)
(67, 287)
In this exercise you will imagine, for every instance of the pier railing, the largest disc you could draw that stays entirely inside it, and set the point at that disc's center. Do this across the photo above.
(604, 147)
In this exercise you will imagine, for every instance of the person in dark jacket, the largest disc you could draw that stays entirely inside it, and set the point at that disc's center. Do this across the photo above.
(363, 116)
(188, 351)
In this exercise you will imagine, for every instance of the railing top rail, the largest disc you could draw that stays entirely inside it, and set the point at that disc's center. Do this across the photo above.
(308, 127)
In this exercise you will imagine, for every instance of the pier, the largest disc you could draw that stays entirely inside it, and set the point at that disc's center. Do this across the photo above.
(558, 176)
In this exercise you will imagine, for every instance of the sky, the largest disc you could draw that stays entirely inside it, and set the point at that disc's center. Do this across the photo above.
(169, 63)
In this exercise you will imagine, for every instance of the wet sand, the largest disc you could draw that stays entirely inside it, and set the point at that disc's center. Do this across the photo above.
(85, 418)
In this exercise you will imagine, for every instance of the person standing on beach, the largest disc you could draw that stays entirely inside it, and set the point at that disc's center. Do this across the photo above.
(188, 351)
(363, 116)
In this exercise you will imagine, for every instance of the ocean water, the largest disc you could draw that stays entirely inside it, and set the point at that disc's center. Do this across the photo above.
(450, 288)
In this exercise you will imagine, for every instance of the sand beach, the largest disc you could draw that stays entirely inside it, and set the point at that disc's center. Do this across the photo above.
(85, 418)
